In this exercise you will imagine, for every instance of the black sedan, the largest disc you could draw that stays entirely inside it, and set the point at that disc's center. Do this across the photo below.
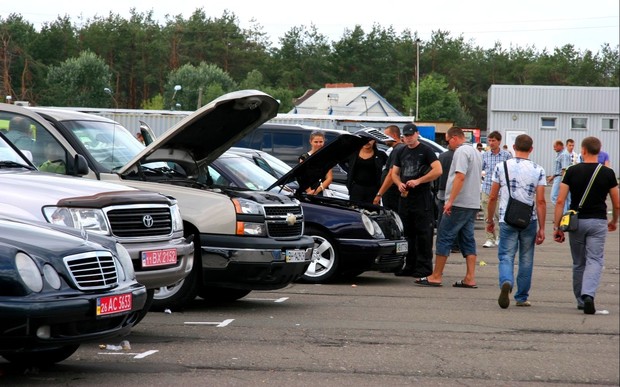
(60, 288)
(350, 237)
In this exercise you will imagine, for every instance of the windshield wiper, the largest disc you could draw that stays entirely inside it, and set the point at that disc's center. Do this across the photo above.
(14, 164)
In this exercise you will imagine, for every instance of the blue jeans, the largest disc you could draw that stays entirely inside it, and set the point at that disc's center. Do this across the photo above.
(459, 224)
(511, 240)
(587, 247)
(555, 192)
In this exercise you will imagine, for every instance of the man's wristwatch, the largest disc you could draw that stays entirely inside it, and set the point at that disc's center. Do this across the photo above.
(379, 195)
(488, 221)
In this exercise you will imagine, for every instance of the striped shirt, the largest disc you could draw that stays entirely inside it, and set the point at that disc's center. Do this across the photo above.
(489, 161)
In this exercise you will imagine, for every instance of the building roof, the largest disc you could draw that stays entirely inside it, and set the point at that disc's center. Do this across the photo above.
(345, 101)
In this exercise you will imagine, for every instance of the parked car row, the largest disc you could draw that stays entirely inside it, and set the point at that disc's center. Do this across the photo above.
(96, 228)
(179, 237)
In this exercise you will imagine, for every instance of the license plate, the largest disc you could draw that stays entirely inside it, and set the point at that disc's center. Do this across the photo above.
(114, 304)
(402, 247)
(159, 257)
(295, 255)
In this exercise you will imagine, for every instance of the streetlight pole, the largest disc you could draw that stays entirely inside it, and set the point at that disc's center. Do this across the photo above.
(417, 77)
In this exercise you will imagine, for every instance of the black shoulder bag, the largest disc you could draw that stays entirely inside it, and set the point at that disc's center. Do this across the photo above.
(518, 214)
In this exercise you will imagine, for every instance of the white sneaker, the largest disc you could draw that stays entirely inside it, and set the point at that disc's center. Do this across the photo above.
(488, 243)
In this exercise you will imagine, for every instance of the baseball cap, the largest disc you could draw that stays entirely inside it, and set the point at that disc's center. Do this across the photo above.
(409, 129)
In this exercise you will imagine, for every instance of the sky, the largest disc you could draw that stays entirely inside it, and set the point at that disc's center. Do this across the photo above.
(542, 24)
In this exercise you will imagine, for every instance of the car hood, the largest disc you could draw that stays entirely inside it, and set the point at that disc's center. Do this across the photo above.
(208, 132)
(337, 151)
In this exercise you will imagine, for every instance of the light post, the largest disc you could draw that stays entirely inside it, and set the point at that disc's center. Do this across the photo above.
(108, 91)
(176, 88)
(417, 77)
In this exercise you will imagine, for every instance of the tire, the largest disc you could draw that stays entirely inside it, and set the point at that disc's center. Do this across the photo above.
(147, 306)
(217, 295)
(324, 265)
(181, 293)
(42, 357)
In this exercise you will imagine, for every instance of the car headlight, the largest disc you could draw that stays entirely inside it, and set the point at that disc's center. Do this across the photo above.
(177, 220)
(398, 221)
(372, 227)
(368, 224)
(29, 272)
(88, 219)
(251, 229)
(244, 206)
(125, 260)
(51, 276)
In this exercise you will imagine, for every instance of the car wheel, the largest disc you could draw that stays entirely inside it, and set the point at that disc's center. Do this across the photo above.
(324, 265)
(217, 295)
(181, 293)
(42, 357)
(150, 293)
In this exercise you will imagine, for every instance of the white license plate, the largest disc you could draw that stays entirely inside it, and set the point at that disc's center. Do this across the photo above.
(114, 304)
(295, 255)
(402, 247)
(159, 257)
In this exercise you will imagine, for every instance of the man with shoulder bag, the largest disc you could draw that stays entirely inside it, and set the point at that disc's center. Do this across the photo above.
(588, 185)
(521, 182)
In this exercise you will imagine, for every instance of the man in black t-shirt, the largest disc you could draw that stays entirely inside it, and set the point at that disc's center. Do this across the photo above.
(587, 244)
(415, 167)
(388, 194)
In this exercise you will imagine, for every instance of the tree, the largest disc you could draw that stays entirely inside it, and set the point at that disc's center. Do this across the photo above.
(437, 101)
(199, 85)
(16, 61)
(80, 81)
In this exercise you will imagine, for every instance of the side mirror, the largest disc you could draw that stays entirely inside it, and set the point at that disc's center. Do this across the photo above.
(80, 165)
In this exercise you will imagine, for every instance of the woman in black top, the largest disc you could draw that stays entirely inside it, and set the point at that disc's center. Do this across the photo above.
(364, 172)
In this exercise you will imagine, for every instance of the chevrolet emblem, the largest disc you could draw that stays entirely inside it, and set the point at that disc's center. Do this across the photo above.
(291, 219)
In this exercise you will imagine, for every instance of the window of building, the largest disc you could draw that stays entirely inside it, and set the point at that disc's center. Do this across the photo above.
(609, 124)
(579, 123)
(548, 122)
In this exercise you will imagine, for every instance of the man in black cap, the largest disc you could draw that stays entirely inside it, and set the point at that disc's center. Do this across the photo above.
(415, 167)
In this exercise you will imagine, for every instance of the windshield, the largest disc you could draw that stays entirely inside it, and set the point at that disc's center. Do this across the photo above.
(280, 167)
(240, 172)
(110, 144)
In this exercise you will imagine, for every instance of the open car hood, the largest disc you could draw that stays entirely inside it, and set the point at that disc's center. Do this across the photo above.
(208, 132)
(337, 151)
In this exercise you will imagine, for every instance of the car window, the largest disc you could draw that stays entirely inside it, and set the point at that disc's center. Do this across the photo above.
(111, 145)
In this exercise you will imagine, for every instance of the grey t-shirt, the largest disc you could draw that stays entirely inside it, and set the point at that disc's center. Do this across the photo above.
(466, 160)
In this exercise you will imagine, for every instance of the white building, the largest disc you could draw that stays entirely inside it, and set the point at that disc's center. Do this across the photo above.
(549, 113)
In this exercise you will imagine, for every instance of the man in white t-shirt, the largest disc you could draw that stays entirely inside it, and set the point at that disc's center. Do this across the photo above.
(527, 184)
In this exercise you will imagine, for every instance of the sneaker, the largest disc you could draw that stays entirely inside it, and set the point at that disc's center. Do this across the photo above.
(497, 242)
(504, 295)
(488, 243)
(524, 303)
(588, 305)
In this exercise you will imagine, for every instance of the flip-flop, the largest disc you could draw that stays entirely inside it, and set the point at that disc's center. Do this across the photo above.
(425, 282)
(461, 284)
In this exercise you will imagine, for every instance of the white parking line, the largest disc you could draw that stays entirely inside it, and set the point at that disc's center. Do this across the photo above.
(217, 324)
(134, 354)
(282, 299)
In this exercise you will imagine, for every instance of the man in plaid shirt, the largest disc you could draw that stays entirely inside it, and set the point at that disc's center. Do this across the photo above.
(490, 159)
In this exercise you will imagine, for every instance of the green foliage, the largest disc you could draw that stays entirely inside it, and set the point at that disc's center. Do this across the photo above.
(211, 56)
(205, 82)
(437, 101)
(80, 82)
(155, 103)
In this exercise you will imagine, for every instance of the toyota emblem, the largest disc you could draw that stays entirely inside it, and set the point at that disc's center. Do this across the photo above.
(147, 220)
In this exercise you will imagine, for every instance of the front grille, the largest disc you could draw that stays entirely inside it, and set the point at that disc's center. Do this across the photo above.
(278, 217)
(140, 221)
(95, 270)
